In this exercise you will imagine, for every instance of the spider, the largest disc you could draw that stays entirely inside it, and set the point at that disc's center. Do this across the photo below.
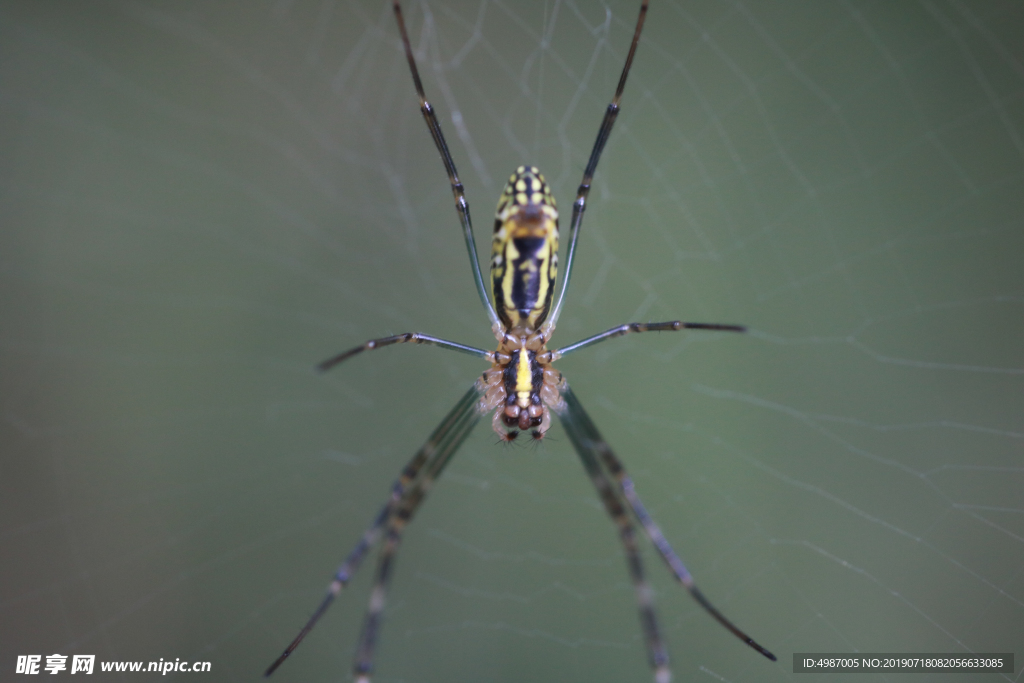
(521, 388)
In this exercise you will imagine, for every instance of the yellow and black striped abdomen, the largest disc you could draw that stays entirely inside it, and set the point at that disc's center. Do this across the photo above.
(524, 257)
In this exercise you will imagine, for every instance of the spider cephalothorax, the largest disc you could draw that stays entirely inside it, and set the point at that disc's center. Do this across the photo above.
(521, 387)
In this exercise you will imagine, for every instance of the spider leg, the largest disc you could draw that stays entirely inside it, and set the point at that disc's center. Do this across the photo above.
(407, 338)
(575, 422)
(461, 421)
(461, 205)
(578, 422)
(580, 205)
(451, 427)
(630, 328)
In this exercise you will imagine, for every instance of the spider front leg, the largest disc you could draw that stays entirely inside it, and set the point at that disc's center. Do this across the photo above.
(593, 448)
(613, 503)
(442, 447)
(614, 467)
(418, 475)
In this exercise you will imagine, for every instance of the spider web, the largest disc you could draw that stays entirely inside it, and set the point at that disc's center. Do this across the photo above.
(200, 201)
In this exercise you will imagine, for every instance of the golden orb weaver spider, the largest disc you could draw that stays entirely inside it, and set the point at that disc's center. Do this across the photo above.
(521, 387)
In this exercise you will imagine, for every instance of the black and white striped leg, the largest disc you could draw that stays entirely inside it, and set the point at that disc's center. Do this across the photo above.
(614, 504)
(632, 328)
(580, 205)
(406, 338)
(363, 665)
(451, 427)
(675, 565)
(441, 447)
(461, 205)
(611, 465)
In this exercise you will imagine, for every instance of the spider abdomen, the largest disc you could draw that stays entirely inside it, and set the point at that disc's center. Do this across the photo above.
(524, 255)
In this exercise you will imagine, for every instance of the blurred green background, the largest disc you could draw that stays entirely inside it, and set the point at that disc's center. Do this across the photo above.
(199, 201)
